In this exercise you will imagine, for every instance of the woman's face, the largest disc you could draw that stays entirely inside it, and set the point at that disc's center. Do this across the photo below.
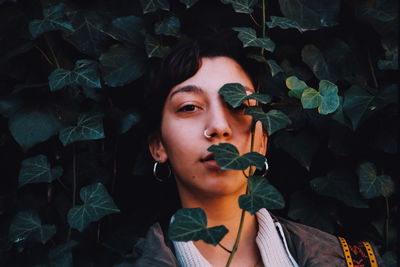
(194, 106)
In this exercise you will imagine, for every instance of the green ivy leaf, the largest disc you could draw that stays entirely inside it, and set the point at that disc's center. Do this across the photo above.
(191, 224)
(326, 99)
(97, 203)
(88, 127)
(128, 30)
(90, 31)
(154, 48)
(33, 126)
(152, 5)
(359, 104)
(188, 3)
(241, 6)
(235, 94)
(315, 60)
(169, 26)
(37, 170)
(274, 67)
(121, 65)
(390, 259)
(84, 74)
(274, 120)
(302, 147)
(341, 186)
(228, 158)
(54, 19)
(372, 185)
(311, 212)
(339, 115)
(61, 255)
(311, 15)
(370, 13)
(262, 195)
(27, 225)
(283, 23)
(249, 38)
(296, 86)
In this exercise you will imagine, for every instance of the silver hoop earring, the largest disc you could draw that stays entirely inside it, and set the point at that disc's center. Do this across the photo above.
(206, 135)
(266, 168)
(156, 173)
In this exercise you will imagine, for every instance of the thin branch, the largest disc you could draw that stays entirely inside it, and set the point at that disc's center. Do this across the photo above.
(263, 25)
(224, 248)
(372, 70)
(387, 222)
(74, 184)
(254, 20)
(52, 51)
(44, 55)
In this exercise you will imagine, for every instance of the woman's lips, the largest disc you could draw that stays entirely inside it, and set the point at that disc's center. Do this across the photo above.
(212, 164)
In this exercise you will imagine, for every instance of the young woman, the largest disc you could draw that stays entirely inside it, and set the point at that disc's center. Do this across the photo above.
(192, 116)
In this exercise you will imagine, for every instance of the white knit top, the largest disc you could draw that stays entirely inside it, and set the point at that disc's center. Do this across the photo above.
(270, 241)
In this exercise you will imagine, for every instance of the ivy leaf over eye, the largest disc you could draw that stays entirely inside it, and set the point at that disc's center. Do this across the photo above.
(283, 23)
(262, 195)
(54, 19)
(27, 225)
(89, 127)
(97, 203)
(371, 184)
(84, 74)
(274, 120)
(169, 26)
(191, 224)
(235, 94)
(228, 158)
(249, 38)
(37, 170)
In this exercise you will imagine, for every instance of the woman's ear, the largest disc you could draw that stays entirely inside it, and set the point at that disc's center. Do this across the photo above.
(261, 137)
(157, 148)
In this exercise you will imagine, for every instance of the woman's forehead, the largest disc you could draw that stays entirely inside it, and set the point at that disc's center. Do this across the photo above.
(212, 75)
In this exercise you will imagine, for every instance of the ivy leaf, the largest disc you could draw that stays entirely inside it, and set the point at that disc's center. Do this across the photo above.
(90, 31)
(296, 86)
(274, 67)
(37, 170)
(311, 212)
(54, 19)
(169, 26)
(370, 13)
(121, 65)
(390, 258)
(262, 195)
(228, 158)
(341, 186)
(242, 6)
(274, 120)
(283, 23)
(311, 15)
(188, 3)
(27, 225)
(339, 115)
(372, 185)
(84, 74)
(152, 5)
(89, 127)
(31, 126)
(249, 38)
(235, 94)
(154, 48)
(61, 255)
(191, 224)
(327, 99)
(359, 104)
(97, 203)
(128, 30)
(315, 60)
(302, 147)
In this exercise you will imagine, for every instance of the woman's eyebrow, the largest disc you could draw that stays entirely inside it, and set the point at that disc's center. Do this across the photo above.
(188, 88)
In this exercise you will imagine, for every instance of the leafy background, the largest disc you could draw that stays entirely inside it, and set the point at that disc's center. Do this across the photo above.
(76, 186)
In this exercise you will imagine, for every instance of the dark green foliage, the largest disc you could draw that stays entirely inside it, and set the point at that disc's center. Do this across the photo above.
(73, 77)
(191, 224)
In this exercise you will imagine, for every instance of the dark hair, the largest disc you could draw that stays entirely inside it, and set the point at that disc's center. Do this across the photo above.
(184, 61)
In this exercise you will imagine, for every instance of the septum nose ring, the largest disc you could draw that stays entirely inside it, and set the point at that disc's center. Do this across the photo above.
(206, 135)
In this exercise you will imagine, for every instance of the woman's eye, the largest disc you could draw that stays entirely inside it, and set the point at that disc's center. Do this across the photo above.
(187, 108)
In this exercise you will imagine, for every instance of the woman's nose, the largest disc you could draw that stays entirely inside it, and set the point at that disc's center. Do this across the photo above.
(218, 124)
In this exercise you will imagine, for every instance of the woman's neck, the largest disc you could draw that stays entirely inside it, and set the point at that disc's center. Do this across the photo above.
(226, 211)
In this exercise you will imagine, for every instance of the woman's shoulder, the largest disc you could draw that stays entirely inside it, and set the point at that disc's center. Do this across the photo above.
(313, 247)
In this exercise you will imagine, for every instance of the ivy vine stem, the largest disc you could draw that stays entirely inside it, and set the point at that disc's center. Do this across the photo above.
(51, 50)
(387, 222)
(74, 175)
(372, 70)
(263, 25)
(254, 20)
